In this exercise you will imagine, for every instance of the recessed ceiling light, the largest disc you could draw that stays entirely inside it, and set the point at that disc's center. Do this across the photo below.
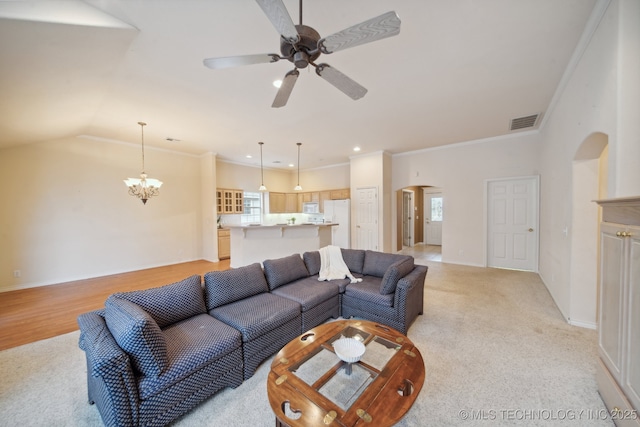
(356, 148)
(277, 83)
(249, 156)
(291, 165)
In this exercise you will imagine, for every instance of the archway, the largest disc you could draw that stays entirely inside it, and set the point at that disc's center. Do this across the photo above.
(589, 183)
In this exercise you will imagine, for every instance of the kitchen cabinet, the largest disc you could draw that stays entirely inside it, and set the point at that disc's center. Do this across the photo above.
(291, 203)
(277, 202)
(618, 368)
(343, 193)
(229, 201)
(224, 243)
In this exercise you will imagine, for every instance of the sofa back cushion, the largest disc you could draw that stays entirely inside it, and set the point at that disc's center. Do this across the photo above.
(354, 258)
(171, 303)
(138, 335)
(394, 273)
(376, 263)
(312, 262)
(224, 287)
(284, 270)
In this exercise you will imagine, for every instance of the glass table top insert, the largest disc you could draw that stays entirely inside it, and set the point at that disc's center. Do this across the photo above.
(335, 379)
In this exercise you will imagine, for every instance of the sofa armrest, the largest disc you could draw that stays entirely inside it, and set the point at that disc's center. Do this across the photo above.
(409, 296)
(110, 378)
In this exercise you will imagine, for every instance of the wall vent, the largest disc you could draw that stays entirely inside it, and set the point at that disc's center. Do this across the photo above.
(524, 122)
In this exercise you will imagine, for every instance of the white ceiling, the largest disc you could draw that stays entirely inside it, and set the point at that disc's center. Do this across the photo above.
(460, 70)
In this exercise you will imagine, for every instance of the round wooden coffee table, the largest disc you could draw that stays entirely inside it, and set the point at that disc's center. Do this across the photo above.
(310, 386)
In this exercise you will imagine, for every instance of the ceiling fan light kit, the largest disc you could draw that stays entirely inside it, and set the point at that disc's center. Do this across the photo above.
(303, 45)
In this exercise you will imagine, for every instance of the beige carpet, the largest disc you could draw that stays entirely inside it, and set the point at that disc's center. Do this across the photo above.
(496, 350)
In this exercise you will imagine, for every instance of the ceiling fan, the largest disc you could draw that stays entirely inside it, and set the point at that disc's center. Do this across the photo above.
(302, 45)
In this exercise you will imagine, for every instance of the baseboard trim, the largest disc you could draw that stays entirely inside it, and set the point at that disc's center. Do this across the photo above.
(587, 325)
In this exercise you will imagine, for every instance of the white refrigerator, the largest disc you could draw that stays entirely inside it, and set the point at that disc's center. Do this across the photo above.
(339, 212)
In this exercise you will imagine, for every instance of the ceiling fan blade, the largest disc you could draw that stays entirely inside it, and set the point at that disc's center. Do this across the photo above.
(285, 89)
(349, 87)
(280, 18)
(377, 28)
(237, 61)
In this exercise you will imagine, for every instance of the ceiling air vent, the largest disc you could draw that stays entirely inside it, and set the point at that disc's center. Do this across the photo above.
(524, 122)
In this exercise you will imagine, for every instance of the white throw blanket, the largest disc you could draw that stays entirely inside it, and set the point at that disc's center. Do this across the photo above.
(332, 266)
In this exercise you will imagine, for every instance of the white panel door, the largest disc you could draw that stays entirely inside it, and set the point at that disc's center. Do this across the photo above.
(512, 236)
(367, 218)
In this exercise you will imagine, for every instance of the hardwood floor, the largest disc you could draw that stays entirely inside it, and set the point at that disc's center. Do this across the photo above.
(33, 314)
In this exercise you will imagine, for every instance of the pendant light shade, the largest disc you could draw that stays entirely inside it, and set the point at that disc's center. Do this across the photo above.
(262, 187)
(298, 187)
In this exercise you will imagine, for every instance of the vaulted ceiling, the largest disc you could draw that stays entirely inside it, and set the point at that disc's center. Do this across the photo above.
(460, 70)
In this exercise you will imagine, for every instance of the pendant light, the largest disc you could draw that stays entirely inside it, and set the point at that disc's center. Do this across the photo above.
(262, 187)
(143, 188)
(297, 187)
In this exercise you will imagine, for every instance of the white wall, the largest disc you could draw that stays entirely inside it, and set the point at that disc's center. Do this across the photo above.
(208, 207)
(66, 213)
(461, 171)
(247, 178)
(591, 103)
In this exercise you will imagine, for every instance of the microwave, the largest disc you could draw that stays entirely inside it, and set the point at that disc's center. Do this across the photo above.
(310, 207)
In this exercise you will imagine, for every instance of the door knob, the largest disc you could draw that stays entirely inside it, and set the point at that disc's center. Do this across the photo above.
(531, 230)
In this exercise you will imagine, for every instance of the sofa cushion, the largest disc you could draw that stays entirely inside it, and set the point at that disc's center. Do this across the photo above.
(394, 273)
(224, 287)
(138, 334)
(309, 292)
(284, 270)
(354, 258)
(170, 303)
(377, 263)
(257, 315)
(312, 262)
(369, 290)
(192, 345)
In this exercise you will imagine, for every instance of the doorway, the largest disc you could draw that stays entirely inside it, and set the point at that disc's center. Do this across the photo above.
(411, 233)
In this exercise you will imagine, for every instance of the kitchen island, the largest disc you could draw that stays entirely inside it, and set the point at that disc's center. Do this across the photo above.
(251, 243)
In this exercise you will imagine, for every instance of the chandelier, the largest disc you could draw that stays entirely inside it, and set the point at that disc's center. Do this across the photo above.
(143, 188)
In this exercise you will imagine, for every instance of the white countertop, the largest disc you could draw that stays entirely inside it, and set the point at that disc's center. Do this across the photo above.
(304, 224)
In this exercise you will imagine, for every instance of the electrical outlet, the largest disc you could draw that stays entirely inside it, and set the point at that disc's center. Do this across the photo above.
(17, 274)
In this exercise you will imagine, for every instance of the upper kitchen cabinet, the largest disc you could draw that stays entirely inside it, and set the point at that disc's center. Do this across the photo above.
(343, 193)
(276, 202)
(229, 201)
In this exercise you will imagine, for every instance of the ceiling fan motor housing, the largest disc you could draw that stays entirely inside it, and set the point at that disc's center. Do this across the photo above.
(303, 52)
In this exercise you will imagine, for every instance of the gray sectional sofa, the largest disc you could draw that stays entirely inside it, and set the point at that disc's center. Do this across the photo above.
(153, 355)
